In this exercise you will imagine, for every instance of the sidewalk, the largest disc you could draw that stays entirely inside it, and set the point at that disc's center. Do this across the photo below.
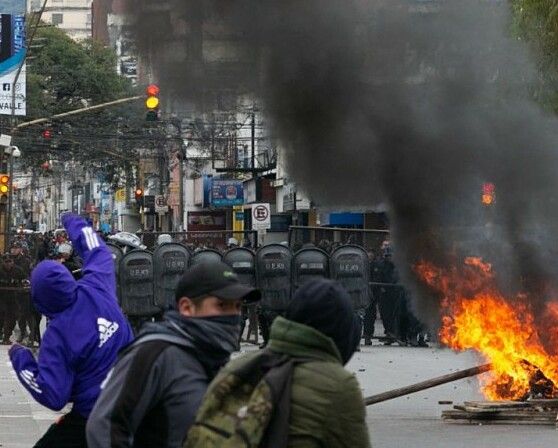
(22, 420)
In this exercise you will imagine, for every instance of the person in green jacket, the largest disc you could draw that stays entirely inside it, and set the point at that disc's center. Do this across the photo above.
(326, 408)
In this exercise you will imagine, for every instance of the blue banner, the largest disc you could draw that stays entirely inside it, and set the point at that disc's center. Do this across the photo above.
(12, 56)
(227, 193)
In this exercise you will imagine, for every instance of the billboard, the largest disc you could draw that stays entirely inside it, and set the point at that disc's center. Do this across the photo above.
(12, 56)
(227, 193)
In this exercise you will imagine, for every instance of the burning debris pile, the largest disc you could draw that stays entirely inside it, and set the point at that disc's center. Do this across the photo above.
(477, 316)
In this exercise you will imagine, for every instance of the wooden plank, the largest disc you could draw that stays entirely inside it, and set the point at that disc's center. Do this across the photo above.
(533, 412)
(545, 403)
(539, 415)
(498, 422)
(530, 409)
(497, 404)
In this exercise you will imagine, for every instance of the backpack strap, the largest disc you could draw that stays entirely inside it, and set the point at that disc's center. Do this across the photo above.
(169, 338)
(277, 370)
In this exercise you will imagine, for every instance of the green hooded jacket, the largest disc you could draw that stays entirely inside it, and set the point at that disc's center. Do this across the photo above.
(327, 408)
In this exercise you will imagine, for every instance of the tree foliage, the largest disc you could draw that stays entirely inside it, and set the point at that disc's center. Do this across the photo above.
(64, 75)
(536, 21)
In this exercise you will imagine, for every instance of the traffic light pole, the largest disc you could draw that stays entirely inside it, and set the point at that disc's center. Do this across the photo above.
(10, 195)
(75, 112)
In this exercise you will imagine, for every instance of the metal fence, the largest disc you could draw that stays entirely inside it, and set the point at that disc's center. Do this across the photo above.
(329, 238)
(210, 239)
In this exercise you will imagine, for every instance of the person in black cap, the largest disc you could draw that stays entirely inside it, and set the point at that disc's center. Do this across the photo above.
(153, 393)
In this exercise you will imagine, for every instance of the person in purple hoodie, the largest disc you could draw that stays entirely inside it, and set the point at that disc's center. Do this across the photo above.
(81, 343)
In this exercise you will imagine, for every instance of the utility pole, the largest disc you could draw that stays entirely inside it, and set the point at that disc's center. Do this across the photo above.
(181, 185)
(32, 195)
(253, 126)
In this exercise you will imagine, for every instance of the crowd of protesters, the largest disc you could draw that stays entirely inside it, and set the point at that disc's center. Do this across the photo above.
(172, 386)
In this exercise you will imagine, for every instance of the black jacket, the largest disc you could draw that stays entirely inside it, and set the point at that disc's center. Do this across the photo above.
(151, 397)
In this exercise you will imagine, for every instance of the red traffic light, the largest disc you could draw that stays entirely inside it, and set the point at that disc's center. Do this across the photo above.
(488, 193)
(152, 90)
(488, 188)
(139, 192)
(47, 133)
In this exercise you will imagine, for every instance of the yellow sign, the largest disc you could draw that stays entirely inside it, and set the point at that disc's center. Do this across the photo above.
(120, 195)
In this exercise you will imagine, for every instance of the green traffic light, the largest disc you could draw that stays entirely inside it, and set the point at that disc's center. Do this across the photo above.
(152, 115)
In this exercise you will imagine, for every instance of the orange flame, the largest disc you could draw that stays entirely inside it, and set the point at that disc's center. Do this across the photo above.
(475, 315)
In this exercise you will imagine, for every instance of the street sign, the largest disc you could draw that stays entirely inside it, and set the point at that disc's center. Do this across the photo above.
(120, 195)
(161, 204)
(5, 140)
(261, 217)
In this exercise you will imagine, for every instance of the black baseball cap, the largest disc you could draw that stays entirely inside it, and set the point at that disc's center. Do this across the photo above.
(214, 279)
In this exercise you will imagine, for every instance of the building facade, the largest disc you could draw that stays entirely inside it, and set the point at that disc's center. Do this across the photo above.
(72, 16)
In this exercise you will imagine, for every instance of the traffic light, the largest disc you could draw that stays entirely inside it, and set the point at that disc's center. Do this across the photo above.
(488, 194)
(139, 196)
(152, 102)
(4, 188)
(47, 134)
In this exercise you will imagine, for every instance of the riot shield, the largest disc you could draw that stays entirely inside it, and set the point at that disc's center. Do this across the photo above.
(309, 264)
(205, 256)
(136, 284)
(170, 261)
(350, 267)
(117, 255)
(273, 275)
(243, 263)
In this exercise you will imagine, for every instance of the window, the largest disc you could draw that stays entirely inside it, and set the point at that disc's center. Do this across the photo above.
(57, 19)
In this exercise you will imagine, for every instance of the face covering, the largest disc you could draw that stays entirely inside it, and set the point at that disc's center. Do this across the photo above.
(214, 337)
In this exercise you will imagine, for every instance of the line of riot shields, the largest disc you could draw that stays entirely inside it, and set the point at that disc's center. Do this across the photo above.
(147, 280)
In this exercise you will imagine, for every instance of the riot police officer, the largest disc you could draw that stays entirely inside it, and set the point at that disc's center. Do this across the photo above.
(23, 306)
(66, 257)
(371, 312)
(389, 294)
(12, 278)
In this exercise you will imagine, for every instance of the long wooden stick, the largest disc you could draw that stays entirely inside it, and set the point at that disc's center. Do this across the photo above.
(391, 394)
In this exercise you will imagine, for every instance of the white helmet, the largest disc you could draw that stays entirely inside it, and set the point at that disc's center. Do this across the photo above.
(232, 242)
(164, 238)
(127, 239)
(65, 249)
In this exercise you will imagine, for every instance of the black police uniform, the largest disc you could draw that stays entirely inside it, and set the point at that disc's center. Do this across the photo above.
(371, 312)
(10, 277)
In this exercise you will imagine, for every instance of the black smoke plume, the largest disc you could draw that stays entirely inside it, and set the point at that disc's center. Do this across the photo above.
(412, 104)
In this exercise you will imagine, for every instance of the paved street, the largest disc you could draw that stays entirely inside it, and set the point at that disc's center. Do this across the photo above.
(412, 421)
(22, 420)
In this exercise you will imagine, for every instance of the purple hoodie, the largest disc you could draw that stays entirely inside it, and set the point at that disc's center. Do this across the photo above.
(86, 329)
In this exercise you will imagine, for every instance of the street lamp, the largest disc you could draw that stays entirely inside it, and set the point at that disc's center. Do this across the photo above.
(14, 152)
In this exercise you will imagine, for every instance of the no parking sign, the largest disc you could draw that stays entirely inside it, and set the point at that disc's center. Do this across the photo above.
(261, 217)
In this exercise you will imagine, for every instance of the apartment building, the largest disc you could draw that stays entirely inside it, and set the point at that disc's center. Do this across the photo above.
(73, 16)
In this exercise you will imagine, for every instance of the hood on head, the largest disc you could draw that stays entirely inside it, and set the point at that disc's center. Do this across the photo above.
(326, 306)
(53, 288)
